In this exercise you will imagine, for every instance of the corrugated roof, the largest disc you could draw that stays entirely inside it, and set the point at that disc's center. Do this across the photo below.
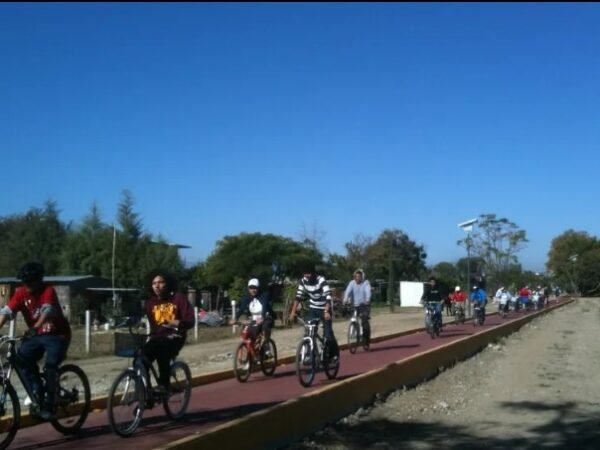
(50, 279)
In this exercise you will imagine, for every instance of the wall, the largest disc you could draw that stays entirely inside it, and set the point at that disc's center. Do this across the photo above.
(410, 293)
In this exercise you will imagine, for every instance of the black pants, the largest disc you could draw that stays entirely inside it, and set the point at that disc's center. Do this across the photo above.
(327, 329)
(256, 328)
(163, 349)
(364, 313)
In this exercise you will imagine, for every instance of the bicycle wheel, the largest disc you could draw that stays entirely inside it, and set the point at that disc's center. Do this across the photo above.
(352, 337)
(180, 390)
(306, 362)
(10, 418)
(126, 400)
(268, 357)
(73, 399)
(331, 364)
(242, 363)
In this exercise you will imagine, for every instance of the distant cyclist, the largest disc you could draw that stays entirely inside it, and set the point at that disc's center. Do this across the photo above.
(433, 296)
(479, 298)
(358, 292)
(49, 331)
(257, 307)
(314, 288)
(504, 300)
(458, 298)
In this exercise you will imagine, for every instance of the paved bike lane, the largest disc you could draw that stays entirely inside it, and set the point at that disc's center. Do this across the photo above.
(219, 402)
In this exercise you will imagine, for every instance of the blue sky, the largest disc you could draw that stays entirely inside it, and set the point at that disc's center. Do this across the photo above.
(274, 118)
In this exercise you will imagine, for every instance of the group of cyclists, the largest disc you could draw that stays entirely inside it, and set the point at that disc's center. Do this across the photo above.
(524, 298)
(170, 316)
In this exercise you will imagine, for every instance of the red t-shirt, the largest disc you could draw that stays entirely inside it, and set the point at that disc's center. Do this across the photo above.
(31, 305)
(458, 296)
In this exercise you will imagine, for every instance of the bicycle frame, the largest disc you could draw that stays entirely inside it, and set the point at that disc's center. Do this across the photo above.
(311, 335)
(356, 319)
(14, 364)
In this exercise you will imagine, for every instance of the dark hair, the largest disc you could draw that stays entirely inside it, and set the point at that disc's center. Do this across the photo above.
(32, 271)
(171, 282)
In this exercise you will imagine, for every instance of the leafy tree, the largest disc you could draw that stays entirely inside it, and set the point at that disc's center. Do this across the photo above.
(574, 260)
(253, 255)
(37, 235)
(497, 241)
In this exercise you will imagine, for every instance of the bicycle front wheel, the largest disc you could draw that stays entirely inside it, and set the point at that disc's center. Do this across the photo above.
(268, 357)
(10, 418)
(352, 337)
(242, 363)
(73, 399)
(126, 403)
(331, 364)
(180, 391)
(306, 362)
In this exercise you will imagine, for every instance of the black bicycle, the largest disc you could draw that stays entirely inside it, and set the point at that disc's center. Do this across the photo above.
(313, 353)
(73, 396)
(433, 319)
(134, 389)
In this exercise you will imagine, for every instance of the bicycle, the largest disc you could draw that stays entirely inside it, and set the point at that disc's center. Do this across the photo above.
(72, 400)
(478, 315)
(433, 319)
(132, 391)
(356, 335)
(313, 353)
(458, 312)
(252, 351)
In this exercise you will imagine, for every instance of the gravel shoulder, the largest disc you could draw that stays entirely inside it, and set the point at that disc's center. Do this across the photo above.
(536, 389)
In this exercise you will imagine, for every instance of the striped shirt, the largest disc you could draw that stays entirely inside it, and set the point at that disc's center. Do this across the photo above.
(318, 293)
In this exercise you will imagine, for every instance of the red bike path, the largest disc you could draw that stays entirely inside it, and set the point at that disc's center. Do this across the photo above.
(216, 403)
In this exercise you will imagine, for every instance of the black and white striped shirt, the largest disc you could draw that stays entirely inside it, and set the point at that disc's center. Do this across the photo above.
(318, 292)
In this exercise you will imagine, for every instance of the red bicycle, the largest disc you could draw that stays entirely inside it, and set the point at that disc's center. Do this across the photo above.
(252, 351)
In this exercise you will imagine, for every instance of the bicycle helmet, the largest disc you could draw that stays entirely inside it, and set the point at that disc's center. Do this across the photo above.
(32, 271)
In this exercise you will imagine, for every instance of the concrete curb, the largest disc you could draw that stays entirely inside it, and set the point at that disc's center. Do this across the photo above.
(288, 421)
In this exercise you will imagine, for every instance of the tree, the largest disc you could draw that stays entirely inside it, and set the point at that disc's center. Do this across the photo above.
(497, 241)
(254, 255)
(37, 235)
(574, 260)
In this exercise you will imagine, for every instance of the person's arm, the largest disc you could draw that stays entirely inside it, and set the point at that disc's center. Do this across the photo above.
(348, 291)
(49, 303)
(328, 300)
(368, 292)
(185, 312)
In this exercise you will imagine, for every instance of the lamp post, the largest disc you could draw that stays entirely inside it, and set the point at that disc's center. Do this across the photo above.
(574, 287)
(467, 227)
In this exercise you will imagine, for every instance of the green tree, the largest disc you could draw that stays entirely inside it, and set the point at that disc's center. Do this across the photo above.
(37, 235)
(253, 255)
(497, 241)
(574, 260)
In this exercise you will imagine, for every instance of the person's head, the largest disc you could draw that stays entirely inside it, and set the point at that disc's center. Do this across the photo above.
(432, 281)
(474, 287)
(503, 289)
(32, 275)
(359, 275)
(457, 289)
(162, 283)
(253, 285)
(309, 271)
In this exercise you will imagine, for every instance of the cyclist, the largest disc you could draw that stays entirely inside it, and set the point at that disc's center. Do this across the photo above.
(170, 316)
(49, 332)
(359, 292)
(258, 308)
(433, 295)
(479, 298)
(504, 299)
(314, 288)
(458, 298)
(524, 296)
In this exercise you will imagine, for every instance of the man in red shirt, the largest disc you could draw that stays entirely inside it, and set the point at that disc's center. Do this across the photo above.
(457, 298)
(49, 332)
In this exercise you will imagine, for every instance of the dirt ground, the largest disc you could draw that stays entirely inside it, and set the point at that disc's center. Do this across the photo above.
(536, 389)
(211, 356)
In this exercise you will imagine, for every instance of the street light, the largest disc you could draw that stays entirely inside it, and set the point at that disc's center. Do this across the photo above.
(467, 227)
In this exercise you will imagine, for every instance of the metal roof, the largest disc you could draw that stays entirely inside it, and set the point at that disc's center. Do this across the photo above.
(50, 279)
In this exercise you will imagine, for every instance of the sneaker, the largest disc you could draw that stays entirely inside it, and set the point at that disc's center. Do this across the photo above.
(160, 391)
(45, 414)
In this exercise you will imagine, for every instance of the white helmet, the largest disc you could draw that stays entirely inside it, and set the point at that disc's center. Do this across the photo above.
(254, 282)
(457, 288)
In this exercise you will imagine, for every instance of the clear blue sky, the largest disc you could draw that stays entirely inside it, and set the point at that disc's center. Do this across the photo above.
(351, 118)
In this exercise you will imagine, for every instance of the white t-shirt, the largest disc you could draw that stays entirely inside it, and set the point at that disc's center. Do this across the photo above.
(256, 310)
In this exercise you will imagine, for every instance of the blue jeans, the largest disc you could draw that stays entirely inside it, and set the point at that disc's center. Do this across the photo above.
(314, 313)
(31, 352)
